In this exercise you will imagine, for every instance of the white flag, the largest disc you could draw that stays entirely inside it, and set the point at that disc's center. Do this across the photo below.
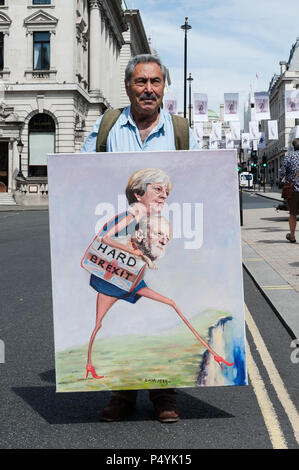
(229, 141)
(262, 140)
(217, 130)
(261, 105)
(253, 130)
(213, 143)
(235, 130)
(245, 140)
(200, 107)
(170, 103)
(198, 132)
(231, 105)
(292, 104)
(272, 130)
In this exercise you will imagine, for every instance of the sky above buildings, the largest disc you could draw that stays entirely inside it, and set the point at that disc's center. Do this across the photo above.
(231, 42)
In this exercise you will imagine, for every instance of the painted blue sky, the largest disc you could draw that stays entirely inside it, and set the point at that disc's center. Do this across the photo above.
(230, 41)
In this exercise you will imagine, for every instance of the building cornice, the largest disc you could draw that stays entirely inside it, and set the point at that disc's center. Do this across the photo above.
(114, 17)
(63, 87)
(134, 19)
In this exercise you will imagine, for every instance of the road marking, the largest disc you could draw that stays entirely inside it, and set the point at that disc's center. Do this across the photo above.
(274, 376)
(278, 287)
(266, 407)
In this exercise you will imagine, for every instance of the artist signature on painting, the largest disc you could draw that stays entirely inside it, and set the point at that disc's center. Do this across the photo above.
(159, 381)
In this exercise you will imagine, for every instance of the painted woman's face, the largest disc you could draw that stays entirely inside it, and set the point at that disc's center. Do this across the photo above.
(154, 197)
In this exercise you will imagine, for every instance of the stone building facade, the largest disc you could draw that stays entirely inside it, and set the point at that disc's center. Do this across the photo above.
(288, 79)
(61, 67)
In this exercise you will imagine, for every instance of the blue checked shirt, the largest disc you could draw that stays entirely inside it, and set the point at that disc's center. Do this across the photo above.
(289, 168)
(124, 135)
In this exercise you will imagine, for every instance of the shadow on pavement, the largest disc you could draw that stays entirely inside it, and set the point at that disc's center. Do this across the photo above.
(276, 219)
(67, 408)
(295, 265)
(269, 242)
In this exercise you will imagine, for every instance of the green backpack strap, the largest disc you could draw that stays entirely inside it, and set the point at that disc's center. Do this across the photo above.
(180, 128)
(108, 120)
(181, 132)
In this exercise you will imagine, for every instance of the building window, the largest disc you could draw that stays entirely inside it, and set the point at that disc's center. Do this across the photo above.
(41, 2)
(41, 141)
(2, 2)
(41, 51)
(1, 51)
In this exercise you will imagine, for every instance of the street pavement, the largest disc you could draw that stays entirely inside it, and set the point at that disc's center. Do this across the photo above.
(33, 416)
(268, 257)
(271, 260)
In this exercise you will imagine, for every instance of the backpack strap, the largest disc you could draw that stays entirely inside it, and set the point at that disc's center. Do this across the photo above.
(108, 120)
(181, 132)
(180, 128)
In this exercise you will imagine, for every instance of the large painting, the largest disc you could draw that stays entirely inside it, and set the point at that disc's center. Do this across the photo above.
(146, 270)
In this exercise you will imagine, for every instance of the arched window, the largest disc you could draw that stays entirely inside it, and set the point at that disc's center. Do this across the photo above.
(41, 141)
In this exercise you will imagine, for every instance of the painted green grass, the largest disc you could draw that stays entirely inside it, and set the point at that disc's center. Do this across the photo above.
(171, 359)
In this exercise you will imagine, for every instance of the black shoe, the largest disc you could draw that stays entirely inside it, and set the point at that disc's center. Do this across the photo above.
(291, 240)
(117, 409)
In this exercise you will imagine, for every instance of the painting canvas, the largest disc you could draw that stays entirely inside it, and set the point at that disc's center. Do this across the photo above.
(146, 299)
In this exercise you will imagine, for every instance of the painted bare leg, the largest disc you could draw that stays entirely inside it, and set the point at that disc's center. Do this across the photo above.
(151, 294)
(104, 303)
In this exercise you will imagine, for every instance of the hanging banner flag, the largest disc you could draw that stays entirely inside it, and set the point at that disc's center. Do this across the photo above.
(200, 107)
(229, 141)
(170, 103)
(261, 105)
(292, 104)
(213, 143)
(198, 131)
(231, 105)
(262, 140)
(235, 130)
(216, 130)
(272, 130)
(253, 130)
(245, 140)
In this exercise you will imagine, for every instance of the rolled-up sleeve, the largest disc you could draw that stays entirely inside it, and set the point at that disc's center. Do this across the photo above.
(283, 168)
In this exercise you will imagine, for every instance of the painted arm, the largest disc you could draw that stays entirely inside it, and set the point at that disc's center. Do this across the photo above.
(118, 227)
(151, 294)
(136, 212)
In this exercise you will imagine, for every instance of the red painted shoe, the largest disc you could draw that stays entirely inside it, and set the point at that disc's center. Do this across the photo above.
(91, 369)
(220, 359)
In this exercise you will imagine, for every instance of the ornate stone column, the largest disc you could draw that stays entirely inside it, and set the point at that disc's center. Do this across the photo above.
(94, 47)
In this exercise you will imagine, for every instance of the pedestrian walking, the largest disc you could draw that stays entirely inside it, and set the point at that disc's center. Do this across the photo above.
(271, 182)
(142, 126)
(290, 172)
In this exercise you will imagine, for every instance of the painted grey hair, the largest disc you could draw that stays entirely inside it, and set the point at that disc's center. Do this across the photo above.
(142, 59)
(139, 180)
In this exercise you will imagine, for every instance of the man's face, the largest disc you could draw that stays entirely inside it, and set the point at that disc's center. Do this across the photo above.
(154, 242)
(146, 88)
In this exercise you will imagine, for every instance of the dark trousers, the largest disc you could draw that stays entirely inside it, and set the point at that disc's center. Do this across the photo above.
(131, 395)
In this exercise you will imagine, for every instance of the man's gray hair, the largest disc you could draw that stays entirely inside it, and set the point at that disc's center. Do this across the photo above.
(142, 59)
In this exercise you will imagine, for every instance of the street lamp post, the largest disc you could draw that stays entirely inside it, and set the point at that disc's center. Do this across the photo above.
(185, 27)
(190, 80)
(20, 147)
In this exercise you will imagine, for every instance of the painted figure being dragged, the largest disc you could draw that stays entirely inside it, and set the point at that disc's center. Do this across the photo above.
(130, 242)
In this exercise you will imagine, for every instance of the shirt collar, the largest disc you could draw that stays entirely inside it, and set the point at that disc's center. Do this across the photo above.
(127, 118)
